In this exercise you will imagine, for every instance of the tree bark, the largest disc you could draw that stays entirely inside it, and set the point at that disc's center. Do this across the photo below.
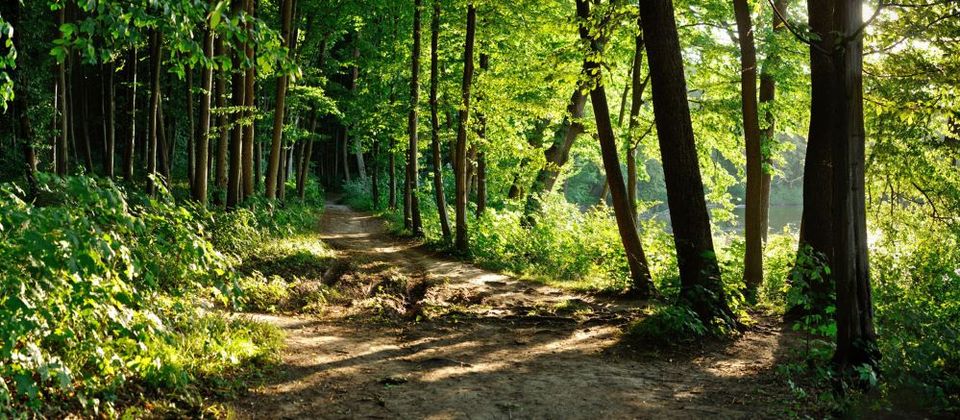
(413, 155)
(131, 142)
(200, 172)
(438, 192)
(638, 86)
(700, 283)
(223, 119)
(62, 159)
(768, 89)
(110, 93)
(462, 242)
(250, 79)
(753, 258)
(482, 134)
(856, 338)
(191, 136)
(393, 177)
(274, 163)
(236, 143)
(156, 59)
(641, 283)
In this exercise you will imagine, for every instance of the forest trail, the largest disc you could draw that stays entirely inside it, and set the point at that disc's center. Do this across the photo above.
(494, 347)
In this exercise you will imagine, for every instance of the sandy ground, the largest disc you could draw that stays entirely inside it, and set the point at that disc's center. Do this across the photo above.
(496, 351)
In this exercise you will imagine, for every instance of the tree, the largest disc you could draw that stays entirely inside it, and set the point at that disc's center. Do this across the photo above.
(201, 160)
(768, 90)
(460, 166)
(701, 287)
(753, 223)
(641, 283)
(438, 192)
(156, 60)
(412, 182)
(236, 143)
(273, 165)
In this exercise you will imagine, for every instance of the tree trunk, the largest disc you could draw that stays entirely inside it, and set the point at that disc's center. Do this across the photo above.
(438, 192)
(393, 177)
(345, 155)
(156, 59)
(236, 143)
(83, 102)
(641, 283)
(461, 242)
(191, 136)
(768, 89)
(250, 79)
(110, 93)
(481, 157)
(558, 153)
(20, 102)
(816, 224)
(638, 86)
(375, 178)
(62, 157)
(753, 258)
(413, 155)
(131, 142)
(273, 164)
(856, 338)
(200, 171)
(223, 119)
(700, 282)
(304, 163)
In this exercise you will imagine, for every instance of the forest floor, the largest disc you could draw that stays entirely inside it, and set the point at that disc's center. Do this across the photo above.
(438, 338)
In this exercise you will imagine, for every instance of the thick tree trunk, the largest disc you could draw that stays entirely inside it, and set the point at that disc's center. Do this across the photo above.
(438, 192)
(768, 89)
(641, 283)
(700, 282)
(200, 171)
(156, 60)
(273, 164)
(461, 242)
(856, 338)
(816, 225)
(413, 155)
(753, 258)
(236, 143)
(131, 143)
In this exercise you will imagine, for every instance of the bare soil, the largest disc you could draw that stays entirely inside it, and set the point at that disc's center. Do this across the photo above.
(456, 341)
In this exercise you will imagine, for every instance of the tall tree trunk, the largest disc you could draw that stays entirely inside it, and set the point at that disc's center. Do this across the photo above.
(223, 119)
(393, 176)
(461, 242)
(413, 155)
(482, 134)
(250, 79)
(641, 283)
(62, 159)
(753, 258)
(273, 164)
(201, 171)
(816, 224)
(236, 143)
(700, 283)
(354, 76)
(438, 192)
(156, 59)
(191, 136)
(110, 93)
(768, 90)
(131, 143)
(856, 338)
(638, 86)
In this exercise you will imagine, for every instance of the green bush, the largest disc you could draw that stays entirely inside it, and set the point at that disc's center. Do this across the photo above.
(99, 292)
(667, 325)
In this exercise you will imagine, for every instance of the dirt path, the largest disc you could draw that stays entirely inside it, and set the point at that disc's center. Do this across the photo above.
(501, 348)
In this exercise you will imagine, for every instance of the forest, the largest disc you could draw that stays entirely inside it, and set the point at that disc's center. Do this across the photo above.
(479, 209)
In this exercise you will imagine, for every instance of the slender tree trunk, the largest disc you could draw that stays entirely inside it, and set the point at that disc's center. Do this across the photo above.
(700, 283)
(220, 177)
(20, 102)
(856, 338)
(345, 142)
(191, 136)
(236, 143)
(273, 164)
(375, 176)
(558, 154)
(110, 93)
(438, 192)
(393, 177)
(131, 142)
(83, 102)
(461, 242)
(62, 160)
(753, 258)
(156, 59)
(768, 89)
(201, 171)
(164, 147)
(413, 155)
(641, 283)
(250, 79)
(638, 86)
(354, 76)
(482, 134)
